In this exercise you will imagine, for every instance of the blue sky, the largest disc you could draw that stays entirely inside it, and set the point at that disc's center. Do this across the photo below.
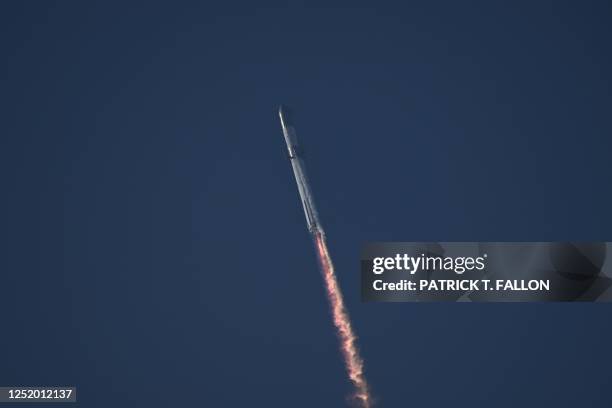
(155, 251)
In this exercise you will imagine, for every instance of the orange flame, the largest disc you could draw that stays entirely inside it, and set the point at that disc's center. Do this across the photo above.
(348, 340)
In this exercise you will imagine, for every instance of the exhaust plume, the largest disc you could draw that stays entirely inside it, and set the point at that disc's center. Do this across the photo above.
(342, 322)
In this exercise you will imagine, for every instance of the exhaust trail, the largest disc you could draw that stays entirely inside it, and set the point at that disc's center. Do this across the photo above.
(342, 322)
(348, 340)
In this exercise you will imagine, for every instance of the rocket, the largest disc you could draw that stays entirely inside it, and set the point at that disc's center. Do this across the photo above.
(342, 322)
(295, 156)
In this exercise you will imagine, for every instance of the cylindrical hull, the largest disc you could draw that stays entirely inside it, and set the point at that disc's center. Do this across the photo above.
(310, 211)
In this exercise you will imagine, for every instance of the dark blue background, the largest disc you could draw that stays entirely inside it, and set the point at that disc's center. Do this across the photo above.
(154, 252)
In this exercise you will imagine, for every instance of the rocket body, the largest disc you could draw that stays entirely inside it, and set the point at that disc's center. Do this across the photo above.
(295, 156)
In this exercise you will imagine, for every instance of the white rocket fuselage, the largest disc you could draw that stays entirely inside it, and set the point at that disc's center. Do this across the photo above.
(312, 217)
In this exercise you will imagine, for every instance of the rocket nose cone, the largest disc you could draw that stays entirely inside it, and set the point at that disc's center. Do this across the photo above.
(285, 115)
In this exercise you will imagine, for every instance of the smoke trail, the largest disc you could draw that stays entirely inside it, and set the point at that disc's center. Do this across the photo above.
(348, 341)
